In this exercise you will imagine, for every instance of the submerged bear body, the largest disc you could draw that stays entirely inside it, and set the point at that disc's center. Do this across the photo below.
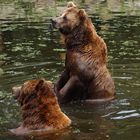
(39, 107)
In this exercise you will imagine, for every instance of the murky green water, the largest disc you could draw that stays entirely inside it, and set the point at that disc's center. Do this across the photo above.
(29, 48)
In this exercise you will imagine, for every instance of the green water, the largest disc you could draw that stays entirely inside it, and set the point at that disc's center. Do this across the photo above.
(30, 48)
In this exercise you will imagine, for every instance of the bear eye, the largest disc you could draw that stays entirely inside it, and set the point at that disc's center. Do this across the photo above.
(65, 17)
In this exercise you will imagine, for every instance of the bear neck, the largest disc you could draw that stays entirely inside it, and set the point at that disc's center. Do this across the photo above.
(80, 36)
(41, 113)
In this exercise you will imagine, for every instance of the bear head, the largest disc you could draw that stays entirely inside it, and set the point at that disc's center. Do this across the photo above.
(71, 18)
(32, 89)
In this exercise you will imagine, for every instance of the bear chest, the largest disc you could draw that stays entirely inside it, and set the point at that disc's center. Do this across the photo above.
(79, 64)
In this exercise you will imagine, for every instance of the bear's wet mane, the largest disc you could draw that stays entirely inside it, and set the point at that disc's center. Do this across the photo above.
(37, 109)
(81, 35)
(33, 114)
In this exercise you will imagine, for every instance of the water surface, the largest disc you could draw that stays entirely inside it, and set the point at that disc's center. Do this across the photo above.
(30, 48)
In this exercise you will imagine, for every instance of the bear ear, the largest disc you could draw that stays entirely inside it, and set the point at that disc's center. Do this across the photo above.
(82, 14)
(39, 84)
(71, 4)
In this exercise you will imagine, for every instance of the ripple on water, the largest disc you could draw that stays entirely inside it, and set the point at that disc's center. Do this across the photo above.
(124, 116)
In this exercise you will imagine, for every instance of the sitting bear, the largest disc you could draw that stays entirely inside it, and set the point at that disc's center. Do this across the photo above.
(85, 76)
(39, 107)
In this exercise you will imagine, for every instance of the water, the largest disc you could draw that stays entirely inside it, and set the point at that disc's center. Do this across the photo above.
(29, 48)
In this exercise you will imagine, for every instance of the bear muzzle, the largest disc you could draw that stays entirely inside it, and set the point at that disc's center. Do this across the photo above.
(54, 23)
(16, 92)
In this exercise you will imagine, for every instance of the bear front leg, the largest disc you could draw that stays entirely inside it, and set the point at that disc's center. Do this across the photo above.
(71, 83)
(61, 81)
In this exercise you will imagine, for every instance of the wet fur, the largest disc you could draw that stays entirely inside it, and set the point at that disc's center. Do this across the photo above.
(39, 108)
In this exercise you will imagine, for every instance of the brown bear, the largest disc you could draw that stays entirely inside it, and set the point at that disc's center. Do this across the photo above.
(86, 76)
(39, 107)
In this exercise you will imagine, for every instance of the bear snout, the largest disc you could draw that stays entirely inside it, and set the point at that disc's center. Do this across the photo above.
(16, 92)
(54, 23)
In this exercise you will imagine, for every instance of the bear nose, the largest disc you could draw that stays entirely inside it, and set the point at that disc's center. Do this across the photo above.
(16, 91)
(53, 21)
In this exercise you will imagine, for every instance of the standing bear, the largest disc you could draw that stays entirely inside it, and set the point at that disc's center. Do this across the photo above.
(85, 76)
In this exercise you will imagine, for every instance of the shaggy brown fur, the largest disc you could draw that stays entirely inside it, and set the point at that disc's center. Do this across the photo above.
(86, 76)
(39, 107)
